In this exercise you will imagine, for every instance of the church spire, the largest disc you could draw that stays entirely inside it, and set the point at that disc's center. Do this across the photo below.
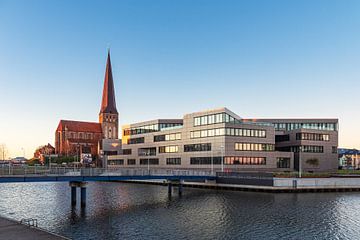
(108, 104)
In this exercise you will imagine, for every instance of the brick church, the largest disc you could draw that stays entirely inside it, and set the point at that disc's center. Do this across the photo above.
(78, 137)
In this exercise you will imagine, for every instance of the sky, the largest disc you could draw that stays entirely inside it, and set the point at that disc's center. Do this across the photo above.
(259, 58)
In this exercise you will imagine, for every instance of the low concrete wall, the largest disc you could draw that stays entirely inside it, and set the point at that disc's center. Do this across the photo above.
(317, 182)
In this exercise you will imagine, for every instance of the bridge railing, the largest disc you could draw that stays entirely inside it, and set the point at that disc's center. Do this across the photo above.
(74, 171)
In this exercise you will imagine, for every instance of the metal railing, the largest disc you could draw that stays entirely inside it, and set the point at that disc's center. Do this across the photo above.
(76, 171)
(31, 222)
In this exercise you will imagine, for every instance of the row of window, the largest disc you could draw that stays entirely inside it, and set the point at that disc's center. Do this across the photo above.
(280, 162)
(149, 161)
(205, 160)
(150, 128)
(214, 118)
(245, 161)
(121, 162)
(307, 148)
(147, 151)
(167, 137)
(173, 161)
(316, 126)
(238, 132)
(312, 136)
(136, 140)
(254, 147)
(168, 149)
(197, 147)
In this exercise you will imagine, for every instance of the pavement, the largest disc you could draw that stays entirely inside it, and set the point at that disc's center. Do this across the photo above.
(12, 230)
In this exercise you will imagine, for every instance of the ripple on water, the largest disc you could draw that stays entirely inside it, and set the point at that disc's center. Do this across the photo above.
(134, 211)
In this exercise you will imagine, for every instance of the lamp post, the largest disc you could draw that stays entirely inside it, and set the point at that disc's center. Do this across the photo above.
(23, 150)
(300, 149)
(222, 158)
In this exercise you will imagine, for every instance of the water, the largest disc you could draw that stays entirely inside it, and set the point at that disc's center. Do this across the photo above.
(134, 211)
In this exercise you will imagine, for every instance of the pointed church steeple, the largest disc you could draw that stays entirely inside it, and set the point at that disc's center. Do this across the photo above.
(108, 116)
(108, 104)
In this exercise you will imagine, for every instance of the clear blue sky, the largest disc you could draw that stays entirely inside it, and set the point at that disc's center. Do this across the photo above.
(258, 58)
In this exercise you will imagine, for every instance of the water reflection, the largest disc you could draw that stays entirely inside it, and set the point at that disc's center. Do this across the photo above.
(134, 211)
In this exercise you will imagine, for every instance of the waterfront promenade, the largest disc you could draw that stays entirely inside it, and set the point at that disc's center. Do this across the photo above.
(13, 230)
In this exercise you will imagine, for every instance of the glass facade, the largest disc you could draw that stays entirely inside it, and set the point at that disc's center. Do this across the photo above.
(197, 147)
(254, 147)
(151, 128)
(312, 136)
(205, 160)
(237, 132)
(167, 137)
(168, 149)
(245, 160)
(316, 126)
(214, 118)
(307, 148)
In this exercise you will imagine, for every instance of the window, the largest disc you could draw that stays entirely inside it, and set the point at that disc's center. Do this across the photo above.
(307, 148)
(116, 162)
(245, 160)
(237, 132)
(126, 151)
(150, 161)
(282, 138)
(168, 149)
(167, 137)
(205, 160)
(334, 149)
(197, 147)
(312, 136)
(131, 162)
(136, 140)
(283, 162)
(254, 147)
(147, 151)
(173, 161)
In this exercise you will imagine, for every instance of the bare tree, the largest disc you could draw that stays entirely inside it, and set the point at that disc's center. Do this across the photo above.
(3, 151)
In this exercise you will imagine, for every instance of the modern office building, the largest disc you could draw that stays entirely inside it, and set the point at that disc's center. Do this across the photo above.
(221, 139)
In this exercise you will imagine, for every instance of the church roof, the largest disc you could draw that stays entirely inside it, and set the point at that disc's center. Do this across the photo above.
(108, 104)
(78, 126)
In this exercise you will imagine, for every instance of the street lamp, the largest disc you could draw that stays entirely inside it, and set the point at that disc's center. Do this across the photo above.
(300, 149)
(222, 158)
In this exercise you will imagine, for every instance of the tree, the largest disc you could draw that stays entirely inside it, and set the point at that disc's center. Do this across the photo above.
(3, 151)
(313, 162)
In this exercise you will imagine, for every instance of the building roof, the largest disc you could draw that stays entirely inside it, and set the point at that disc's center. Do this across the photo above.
(108, 104)
(78, 126)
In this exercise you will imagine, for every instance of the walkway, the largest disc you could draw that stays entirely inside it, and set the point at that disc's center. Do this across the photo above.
(13, 230)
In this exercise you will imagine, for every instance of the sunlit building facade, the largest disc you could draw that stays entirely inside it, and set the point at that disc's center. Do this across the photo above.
(221, 139)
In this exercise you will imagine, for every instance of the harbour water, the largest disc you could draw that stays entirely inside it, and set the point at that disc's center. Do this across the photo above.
(136, 211)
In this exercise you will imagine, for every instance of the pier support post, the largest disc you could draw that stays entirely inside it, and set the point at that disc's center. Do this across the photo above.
(180, 188)
(74, 186)
(169, 188)
(83, 196)
(73, 196)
